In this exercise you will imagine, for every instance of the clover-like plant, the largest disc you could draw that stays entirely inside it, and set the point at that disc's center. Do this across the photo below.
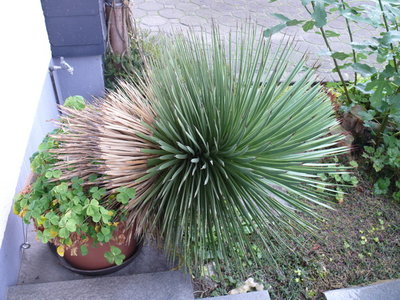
(71, 213)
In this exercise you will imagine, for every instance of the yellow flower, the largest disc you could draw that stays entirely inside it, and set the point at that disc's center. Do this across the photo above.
(110, 213)
(60, 250)
(23, 212)
(15, 211)
(41, 220)
(97, 228)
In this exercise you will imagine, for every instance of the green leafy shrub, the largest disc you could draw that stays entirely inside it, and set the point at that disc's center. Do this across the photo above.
(341, 182)
(132, 64)
(385, 161)
(377, 93)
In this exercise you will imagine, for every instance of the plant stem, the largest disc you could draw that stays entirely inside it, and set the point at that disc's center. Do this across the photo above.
(346, 92)
(351, 40)
(382, 129)
(387, 30)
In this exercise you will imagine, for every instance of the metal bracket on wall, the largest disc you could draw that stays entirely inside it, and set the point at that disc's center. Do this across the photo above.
(63, 66)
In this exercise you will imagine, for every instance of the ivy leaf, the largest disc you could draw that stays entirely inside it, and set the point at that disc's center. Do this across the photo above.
(340, 55)
(381, 87)
(390, 37)
(308, 25)
(319, 14)
(274, 29)
(363, 69)
(330, 33)
(75, 102)
(294, 22)
(281, 17)
(381, 187)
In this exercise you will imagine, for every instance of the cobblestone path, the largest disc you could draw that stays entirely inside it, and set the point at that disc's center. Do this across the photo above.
(171, 15)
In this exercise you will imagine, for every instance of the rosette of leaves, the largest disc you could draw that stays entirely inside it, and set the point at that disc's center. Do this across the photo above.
(240, 136)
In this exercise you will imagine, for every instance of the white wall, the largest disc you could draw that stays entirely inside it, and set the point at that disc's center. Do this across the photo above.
(24, 59)
(26, 101)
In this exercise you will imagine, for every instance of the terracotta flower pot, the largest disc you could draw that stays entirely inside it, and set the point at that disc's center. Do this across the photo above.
(94, 259)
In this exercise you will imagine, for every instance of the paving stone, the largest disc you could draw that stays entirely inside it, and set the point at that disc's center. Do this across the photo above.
(188, 7)
(261, 295)
(171, 13)
(387, 290)
(192, 21)
(151, 6)
(227, 21)
(241, 3)
(155, 286)
(222, 7)
(153, 20)
(207, 13)
(138, 13)
(242, 14)
(203, 3)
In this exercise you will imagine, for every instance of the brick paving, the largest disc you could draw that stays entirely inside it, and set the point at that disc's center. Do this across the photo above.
(176, 15)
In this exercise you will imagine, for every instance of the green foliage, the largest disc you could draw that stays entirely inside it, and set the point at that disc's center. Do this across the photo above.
(234, 136)
(65, 213)
(131, 65)
(378, 92)
(340, 181)
(114, 255)
(125, 194)
(75, 102)
(385, 161)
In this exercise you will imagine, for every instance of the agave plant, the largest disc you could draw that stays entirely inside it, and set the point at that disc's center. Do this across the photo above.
(239, 146)
(102, 140)
(224, 139)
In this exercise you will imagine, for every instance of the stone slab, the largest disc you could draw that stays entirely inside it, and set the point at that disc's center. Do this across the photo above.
(40, 265)
(152, 286)
(261, 295)
(386, 290)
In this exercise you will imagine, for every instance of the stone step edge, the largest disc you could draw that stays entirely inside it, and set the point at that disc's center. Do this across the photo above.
(158, 286)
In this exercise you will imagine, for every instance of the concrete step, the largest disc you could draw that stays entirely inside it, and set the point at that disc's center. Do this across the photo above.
(151, 286)
(261, 295)
(385, 290)
(40, 265)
